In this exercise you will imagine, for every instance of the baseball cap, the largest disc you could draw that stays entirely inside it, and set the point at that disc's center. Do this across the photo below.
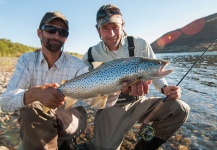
(49, 16)
(108, 13)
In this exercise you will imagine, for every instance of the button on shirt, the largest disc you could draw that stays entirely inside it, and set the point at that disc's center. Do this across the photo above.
(101, 53)
(32, 70)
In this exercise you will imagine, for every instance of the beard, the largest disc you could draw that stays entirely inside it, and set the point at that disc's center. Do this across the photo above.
(51, 46)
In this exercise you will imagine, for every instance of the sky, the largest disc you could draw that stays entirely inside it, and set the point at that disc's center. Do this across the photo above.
(19, 19)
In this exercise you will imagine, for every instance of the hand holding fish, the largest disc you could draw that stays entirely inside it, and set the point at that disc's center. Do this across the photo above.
(109, 78)
(173, 92)
(137, 89)
(47, 94)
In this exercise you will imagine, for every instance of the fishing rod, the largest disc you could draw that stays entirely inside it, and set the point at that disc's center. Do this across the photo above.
(147, 132)
(192, 66)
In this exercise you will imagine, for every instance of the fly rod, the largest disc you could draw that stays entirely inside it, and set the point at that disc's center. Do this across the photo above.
(192, 66)
(147, 132)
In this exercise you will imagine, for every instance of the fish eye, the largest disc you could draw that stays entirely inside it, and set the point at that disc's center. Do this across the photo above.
(159, 62)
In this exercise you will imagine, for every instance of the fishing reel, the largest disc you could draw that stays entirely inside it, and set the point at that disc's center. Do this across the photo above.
(147, 133)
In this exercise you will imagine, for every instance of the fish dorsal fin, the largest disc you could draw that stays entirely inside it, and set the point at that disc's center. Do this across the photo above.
(96, 64)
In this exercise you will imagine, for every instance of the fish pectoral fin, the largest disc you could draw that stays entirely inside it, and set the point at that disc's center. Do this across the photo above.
(96, 64)
(134, 82)
(69, 102)
(99, 102)
(45, 109)
(103, 102)
(113, 96)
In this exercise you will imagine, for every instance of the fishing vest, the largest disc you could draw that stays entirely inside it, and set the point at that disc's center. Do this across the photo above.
(123, 98)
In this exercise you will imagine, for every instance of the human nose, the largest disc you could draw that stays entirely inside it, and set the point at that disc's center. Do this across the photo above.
(56, 35)
(111, 33)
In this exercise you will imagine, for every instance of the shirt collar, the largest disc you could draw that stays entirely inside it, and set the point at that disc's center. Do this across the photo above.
(41, 56)
(57, 64)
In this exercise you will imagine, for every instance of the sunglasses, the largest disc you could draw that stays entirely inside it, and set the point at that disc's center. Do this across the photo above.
(106, 12)
(53, 30)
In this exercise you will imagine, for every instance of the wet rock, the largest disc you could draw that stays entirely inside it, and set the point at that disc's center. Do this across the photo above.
(3, 148)
(130, 136)
(178, 137)
(195, 131)
(186, 141)
(2, 120)
(182, 147)
(126, 145)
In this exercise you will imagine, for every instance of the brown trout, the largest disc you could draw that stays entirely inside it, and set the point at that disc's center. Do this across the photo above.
(108, 78)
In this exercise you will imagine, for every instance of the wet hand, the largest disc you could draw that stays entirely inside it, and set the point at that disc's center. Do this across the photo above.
(172, 92)
(137, 89)
(47, 94)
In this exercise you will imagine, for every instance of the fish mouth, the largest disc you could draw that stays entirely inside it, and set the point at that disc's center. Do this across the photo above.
(162, 71)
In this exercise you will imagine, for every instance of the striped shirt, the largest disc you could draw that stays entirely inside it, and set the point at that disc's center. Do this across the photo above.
(101, 53)
(32, 70)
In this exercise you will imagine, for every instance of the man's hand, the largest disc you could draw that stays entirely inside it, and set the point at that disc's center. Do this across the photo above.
(173, 92)
(47, 94)
(137, 89)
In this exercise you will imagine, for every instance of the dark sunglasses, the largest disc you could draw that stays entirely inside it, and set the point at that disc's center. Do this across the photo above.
(106, 12)
(53, 30)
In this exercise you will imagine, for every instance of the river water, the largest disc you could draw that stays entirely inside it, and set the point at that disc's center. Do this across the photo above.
(199, 91)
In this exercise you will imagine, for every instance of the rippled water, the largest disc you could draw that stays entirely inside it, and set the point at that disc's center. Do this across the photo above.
(199, 90)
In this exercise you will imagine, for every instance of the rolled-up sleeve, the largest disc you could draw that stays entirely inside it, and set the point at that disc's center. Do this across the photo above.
(19, 83)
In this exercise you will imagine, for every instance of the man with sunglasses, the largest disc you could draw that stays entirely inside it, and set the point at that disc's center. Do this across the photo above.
(34, 84)
(113, 122)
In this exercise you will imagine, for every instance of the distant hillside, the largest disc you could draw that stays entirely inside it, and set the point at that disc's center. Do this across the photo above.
(8, 48)
(11, 49)
(195, 36)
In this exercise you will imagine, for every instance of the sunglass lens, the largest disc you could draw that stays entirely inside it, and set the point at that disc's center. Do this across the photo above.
(63, 32)
(53, 30)
(49, 29)
(103, 13)
(114, 11)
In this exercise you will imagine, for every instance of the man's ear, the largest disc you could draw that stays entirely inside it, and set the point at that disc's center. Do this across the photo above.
(124, 33)
(39, 32)
(98, 32)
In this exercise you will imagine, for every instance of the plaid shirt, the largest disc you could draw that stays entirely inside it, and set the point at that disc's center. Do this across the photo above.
(32, 70)
(101, 53)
